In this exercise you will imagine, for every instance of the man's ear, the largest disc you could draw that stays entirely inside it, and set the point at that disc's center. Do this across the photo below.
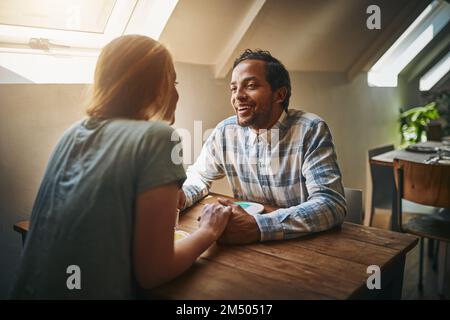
(280, 95)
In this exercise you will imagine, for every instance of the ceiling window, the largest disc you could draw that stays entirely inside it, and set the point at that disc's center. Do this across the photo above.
(59, 25)
(416, 37)
(436, 73)
(81, 15)
(58, 41)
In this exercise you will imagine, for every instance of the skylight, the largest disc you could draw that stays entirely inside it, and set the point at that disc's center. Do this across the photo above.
(59, 40)
(436, 73)
(385, 71)
(81, 15)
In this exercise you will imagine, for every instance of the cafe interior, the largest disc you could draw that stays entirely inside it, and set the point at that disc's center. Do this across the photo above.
(377, 72)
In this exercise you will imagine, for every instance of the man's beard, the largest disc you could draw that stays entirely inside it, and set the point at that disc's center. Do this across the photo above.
(256, 119)
(246, 123)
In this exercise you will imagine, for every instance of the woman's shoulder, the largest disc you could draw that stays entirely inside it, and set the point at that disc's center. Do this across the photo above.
(140, 129)
(122, 131)
(156, 129)
(151, 135)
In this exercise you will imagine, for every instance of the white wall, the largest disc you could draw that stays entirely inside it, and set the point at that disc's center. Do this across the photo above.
(359, 117)
(204, 100)
(32, 118)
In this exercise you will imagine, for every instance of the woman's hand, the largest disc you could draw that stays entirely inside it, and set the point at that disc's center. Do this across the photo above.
(181, 199)
(214, 219)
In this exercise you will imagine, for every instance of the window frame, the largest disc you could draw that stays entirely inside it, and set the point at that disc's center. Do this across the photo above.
(17, 37)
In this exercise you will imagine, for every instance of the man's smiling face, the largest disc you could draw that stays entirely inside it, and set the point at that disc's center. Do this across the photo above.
(251, 95)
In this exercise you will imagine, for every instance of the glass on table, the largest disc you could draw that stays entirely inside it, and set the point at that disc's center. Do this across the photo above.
(177, 219)
(179, 234)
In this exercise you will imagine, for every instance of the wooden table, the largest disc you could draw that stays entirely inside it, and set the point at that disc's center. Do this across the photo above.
(387, 158)
(22, 228)
(328, 265)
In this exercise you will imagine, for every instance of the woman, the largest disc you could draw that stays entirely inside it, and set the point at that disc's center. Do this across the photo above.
(103, 221)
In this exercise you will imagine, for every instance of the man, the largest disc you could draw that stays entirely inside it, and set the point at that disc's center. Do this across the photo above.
(269, 154)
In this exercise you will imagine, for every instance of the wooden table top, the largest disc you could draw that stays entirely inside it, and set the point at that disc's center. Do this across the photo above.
(328, 265)
(387, 158)
(22, 226)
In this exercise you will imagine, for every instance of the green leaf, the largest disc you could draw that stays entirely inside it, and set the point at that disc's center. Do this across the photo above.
(414, 121)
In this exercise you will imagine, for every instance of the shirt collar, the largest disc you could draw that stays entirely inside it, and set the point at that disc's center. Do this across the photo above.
(263, 133)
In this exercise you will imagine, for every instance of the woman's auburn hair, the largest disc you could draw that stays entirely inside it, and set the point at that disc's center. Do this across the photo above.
(132, 80)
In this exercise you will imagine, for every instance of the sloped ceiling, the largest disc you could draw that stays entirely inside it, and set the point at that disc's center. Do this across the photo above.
(198, 30)
(306, 35)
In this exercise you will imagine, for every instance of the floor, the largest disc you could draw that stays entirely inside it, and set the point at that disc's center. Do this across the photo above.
(411, 276)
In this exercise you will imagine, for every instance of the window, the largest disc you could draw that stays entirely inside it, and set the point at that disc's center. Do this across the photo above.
(436, 73)
(58, 41)
(385, 71)
(79, 15)
(59, 25)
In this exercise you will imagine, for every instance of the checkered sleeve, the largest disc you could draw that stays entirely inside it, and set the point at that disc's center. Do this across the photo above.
(325, 207)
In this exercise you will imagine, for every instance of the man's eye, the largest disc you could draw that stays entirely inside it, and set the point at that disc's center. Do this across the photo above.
(251, 86)
(233, 89)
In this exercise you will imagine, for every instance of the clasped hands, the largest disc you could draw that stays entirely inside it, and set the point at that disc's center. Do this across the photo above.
(241, 228)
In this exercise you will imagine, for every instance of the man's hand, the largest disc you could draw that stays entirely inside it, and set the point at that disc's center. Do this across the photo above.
(181, 199)
(241, 228)
(214, 218)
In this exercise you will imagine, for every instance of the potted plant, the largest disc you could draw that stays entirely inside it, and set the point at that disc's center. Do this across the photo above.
(413, 123)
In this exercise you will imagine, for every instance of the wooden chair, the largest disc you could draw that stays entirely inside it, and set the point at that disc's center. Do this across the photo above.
(383, 191)
(427, 184)
(434, 131)
(354, 205)
(382, 183)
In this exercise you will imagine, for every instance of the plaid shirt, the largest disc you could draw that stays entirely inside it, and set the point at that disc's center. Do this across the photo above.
(293, 166)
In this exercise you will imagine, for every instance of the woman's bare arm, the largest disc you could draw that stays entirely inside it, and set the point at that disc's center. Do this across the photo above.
(157, 258)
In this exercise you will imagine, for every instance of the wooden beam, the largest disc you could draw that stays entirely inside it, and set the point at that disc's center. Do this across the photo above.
(226, 58)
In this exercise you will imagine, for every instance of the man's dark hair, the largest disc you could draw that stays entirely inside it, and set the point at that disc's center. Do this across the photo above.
(276, 74)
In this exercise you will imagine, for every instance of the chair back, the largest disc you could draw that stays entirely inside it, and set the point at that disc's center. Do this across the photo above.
(382, 180)
(354, 205)
(434, 131)
(427, 184)
(376, 151)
